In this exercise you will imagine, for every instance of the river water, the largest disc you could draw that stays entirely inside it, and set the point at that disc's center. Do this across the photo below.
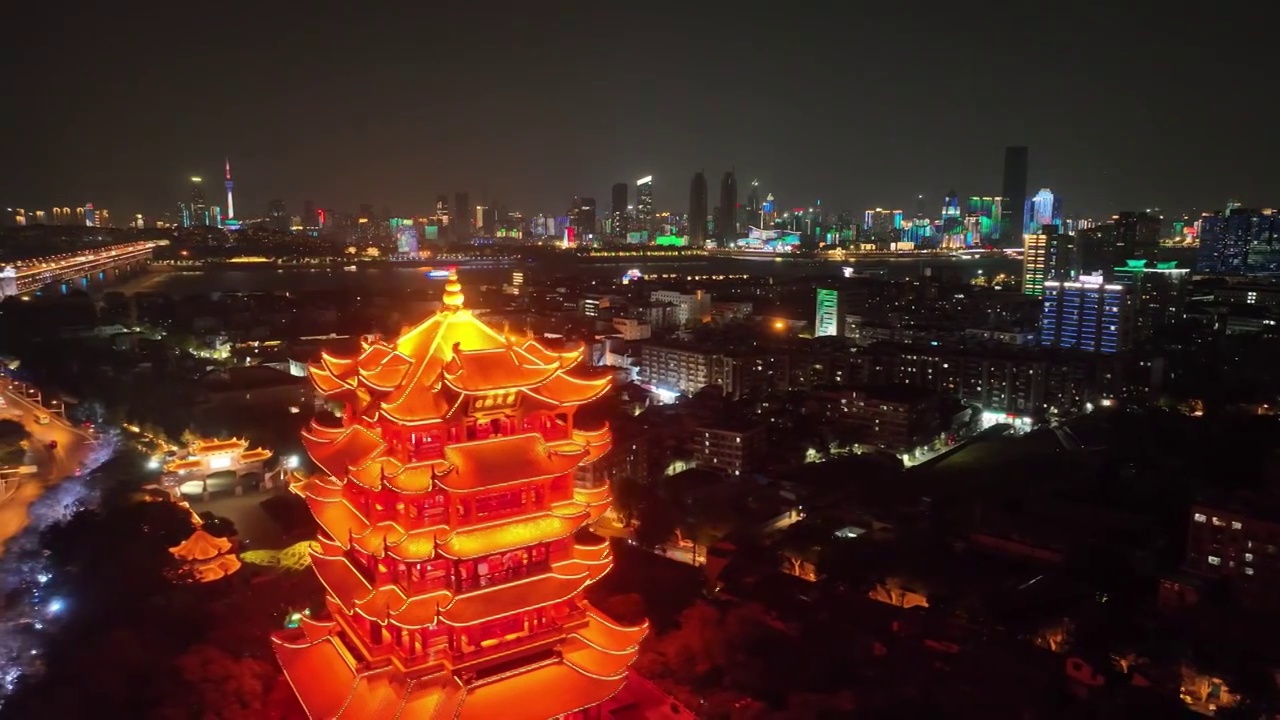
(388, 279)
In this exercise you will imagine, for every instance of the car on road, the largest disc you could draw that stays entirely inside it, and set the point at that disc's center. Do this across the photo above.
(41, 418)
(52, 445)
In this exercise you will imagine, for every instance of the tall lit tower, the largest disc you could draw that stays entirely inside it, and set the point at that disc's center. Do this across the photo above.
(452, 547)
(231, 207)
(644, 203)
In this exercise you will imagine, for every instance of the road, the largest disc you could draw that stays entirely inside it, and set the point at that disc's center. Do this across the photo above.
(54, 465)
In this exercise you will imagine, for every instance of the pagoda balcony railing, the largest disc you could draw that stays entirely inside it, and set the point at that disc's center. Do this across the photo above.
(550, 634)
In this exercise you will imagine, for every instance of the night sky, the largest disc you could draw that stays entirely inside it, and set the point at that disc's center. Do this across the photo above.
(345, 103)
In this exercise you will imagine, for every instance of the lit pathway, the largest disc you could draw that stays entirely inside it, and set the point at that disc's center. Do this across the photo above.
(54, 464)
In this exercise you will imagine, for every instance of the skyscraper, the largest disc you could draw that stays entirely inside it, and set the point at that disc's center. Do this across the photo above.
(698, 210)
(582, 216)
(753, 209)
(231, 207)
(1015, 195)
(1043, 209)
(644, 203)
(442, 211)
(829, 318)
(618, 210)
(278, 219)
(727, 222)
(199, 211)
(462, 213)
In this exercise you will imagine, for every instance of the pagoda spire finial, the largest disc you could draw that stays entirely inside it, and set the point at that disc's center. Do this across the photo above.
(453, 292)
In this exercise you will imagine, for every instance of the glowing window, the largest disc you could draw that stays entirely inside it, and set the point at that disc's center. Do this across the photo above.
(1236, 526)
(1215, 560)
(1199, 517)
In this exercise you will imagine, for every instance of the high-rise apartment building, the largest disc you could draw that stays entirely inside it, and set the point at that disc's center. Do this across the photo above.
(1137, 235)
(829, 316)
(618, 210)
(1035, 263)
(881, 222)
(1014, 192)
(1157, 293)
(644, 204)
(1244, 241)
(727, 219)
(1087, 314)
(698, 210)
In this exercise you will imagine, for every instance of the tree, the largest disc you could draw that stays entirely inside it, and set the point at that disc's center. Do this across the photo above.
(658, 521)
(222, 686)
(13, 438)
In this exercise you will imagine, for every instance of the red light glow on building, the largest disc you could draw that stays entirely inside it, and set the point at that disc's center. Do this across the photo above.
(453, 548)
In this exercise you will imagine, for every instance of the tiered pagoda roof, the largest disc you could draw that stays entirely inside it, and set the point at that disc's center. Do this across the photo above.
(206, 557)
(446, 372)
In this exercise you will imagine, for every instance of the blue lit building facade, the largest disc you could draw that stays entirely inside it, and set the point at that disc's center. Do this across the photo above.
(1087, 314)
(1043, 209)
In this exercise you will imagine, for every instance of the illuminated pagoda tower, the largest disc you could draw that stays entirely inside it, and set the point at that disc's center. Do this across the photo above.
(453, 546)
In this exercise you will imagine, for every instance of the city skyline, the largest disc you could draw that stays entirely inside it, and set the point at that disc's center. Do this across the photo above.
(504, 135)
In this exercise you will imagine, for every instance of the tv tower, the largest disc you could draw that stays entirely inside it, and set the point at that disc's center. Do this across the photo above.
(231, 208)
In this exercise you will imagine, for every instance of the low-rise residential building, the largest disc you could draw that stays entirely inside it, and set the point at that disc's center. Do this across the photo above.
(734, 448)
(898, 418)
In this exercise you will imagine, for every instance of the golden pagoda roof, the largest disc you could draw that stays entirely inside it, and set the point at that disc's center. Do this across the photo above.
(208, 447)
(509, 534)
(354, 447)
(565, 358)
(330, 684)
(452, 349)
(512, 597)
(610, 636)
(184, 465)
(502, 460)
(504, 368)
(389, 603)
(254, 455)
(348, 527)
(215, 568)
(201, 546)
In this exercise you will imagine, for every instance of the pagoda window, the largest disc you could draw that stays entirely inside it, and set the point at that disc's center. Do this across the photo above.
(501, 503)
(497, 631)
(427, 445)
(434, 509)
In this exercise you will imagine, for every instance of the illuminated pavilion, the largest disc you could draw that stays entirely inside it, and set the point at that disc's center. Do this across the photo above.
(453, 546)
